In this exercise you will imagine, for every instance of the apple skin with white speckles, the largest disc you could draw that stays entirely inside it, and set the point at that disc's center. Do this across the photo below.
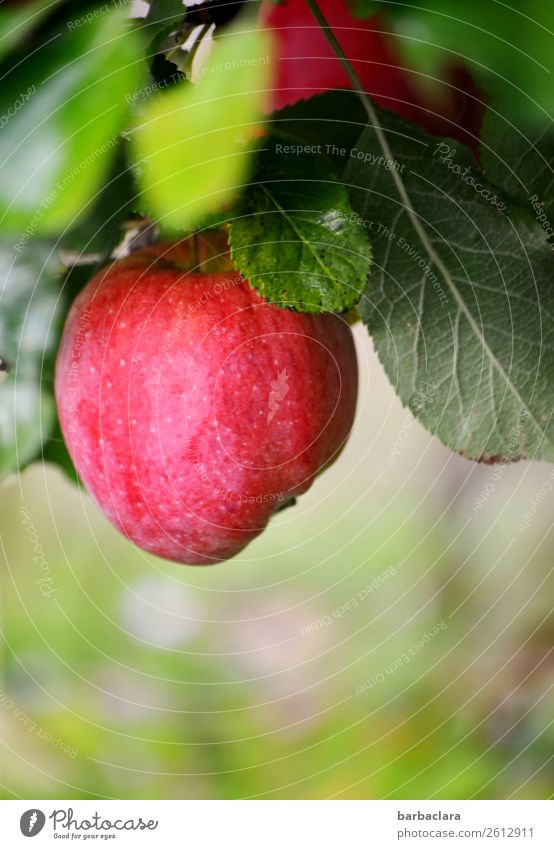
(193, 409)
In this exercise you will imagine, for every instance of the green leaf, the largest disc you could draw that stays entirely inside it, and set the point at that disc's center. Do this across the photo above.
(460, 301)
(189, 144)
(295, 236)
(521, 164)
(57, 145)
(29, 326)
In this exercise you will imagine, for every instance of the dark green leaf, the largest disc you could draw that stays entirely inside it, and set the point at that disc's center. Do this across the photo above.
(17, 22)
(29, 326)
(65, 105)
(333, 121)
(521, 164)
(295, 236)
(462, 301)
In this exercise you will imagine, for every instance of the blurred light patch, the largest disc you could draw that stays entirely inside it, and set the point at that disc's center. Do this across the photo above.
(160, 612)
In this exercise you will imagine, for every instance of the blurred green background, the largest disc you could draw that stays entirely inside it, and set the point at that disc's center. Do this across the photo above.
(125, 676)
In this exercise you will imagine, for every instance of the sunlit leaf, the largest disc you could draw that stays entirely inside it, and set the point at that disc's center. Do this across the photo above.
(65, 106)
(190, 144)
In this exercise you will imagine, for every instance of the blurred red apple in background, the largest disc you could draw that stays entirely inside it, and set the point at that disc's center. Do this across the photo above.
(306, 65)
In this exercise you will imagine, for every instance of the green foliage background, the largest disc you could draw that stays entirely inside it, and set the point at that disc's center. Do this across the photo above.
(281, 674)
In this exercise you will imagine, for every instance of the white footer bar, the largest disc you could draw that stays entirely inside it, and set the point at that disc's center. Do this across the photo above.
(278, 824)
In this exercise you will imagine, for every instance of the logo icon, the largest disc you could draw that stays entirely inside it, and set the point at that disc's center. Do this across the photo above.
(278, 390)
(32, 822)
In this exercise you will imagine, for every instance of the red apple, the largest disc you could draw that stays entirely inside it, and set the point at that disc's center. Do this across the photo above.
(193, 409)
